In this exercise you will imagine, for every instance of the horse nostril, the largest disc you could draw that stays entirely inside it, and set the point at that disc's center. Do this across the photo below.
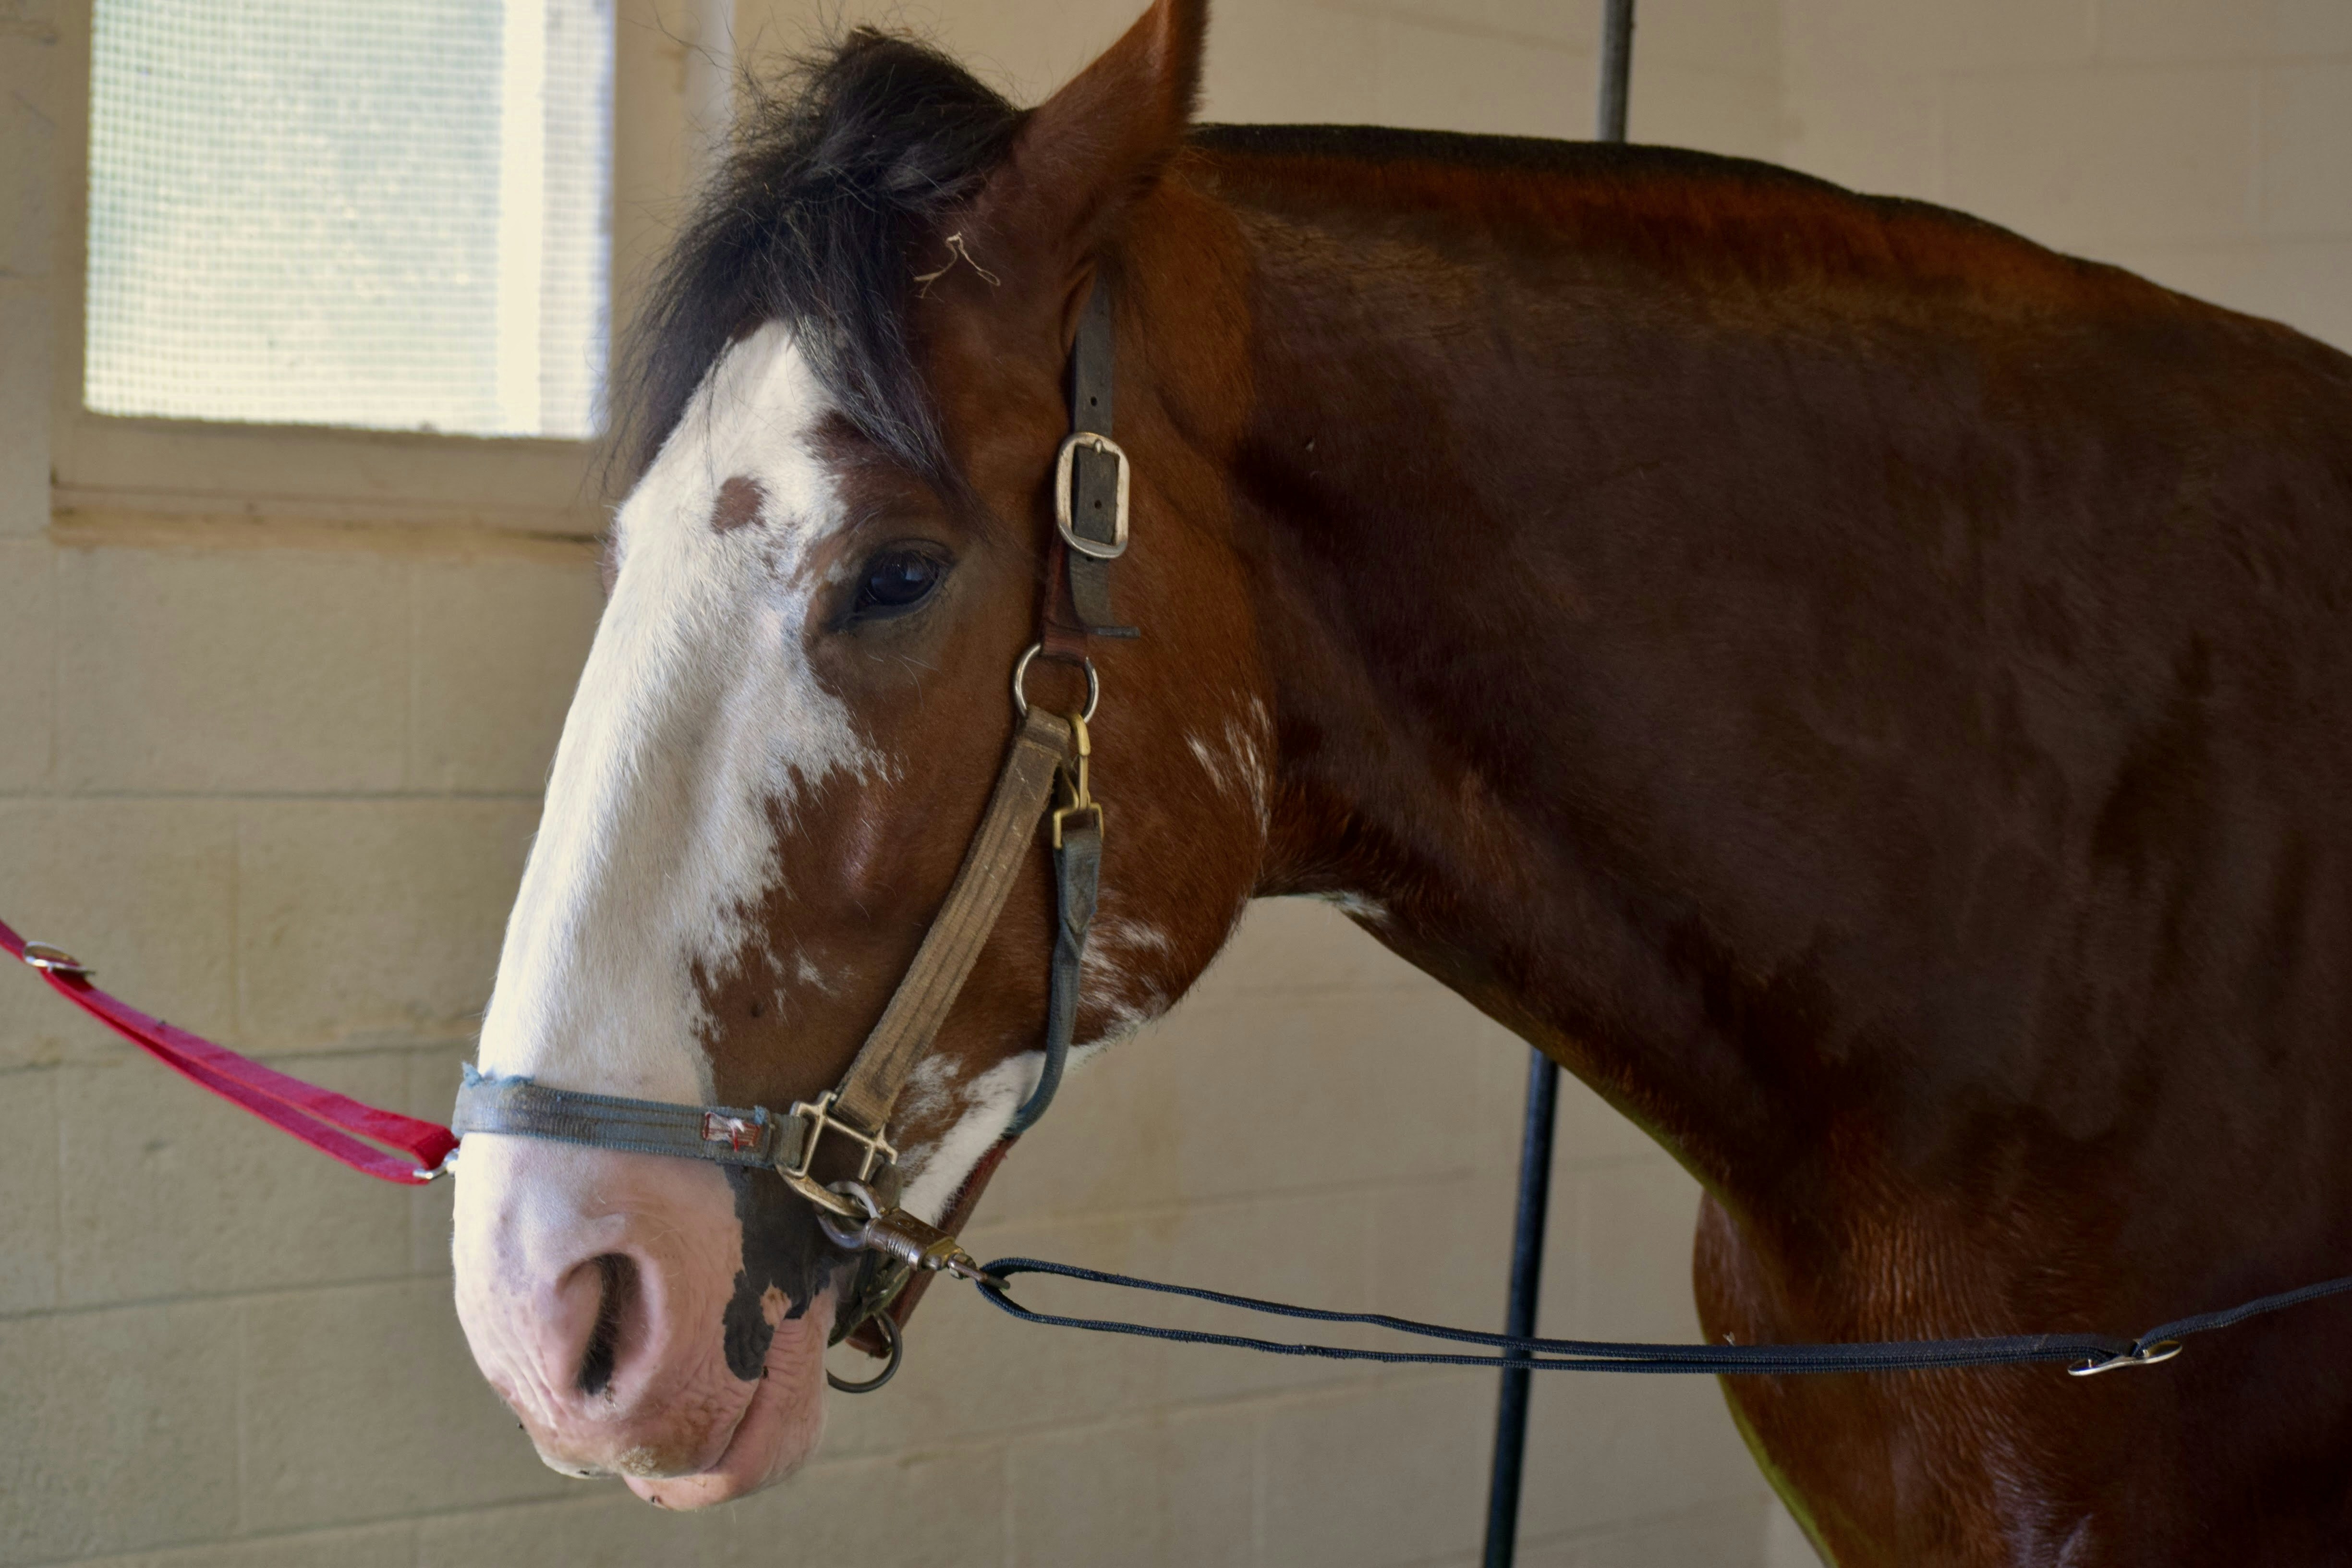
(618, 1279)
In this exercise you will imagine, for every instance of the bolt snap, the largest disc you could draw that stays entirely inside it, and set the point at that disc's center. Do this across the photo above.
(2138, 1355)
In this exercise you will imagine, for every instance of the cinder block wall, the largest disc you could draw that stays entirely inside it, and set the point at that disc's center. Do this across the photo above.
(280, 778)
(2206, 143)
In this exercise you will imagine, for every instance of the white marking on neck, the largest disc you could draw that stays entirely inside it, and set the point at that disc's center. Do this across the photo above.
(937, 1173)
(1239, 768)
(939, 1167)
(698, 724)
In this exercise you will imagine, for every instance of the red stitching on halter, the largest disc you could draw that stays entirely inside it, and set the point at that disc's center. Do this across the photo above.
(320, 1117)
(732, 1130)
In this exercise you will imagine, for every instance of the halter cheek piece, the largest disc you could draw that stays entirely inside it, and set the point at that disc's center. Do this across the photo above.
(1043, 781)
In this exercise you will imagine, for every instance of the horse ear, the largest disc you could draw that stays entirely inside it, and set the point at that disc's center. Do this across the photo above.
(1086, 154)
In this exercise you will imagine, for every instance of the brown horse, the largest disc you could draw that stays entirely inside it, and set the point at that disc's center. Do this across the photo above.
(1870, 696)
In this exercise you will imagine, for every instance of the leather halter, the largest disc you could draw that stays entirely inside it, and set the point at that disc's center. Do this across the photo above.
(860, 1212)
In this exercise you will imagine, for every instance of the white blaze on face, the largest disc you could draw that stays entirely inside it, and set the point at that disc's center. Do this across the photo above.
(697, 723)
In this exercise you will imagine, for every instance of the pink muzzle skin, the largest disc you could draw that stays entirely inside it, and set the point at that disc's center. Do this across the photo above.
(593, 1285)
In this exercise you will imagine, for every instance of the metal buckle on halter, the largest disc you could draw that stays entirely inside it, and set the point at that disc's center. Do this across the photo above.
(1065, 479)
(2137, 1355)
(51, 960)
(797, 1152)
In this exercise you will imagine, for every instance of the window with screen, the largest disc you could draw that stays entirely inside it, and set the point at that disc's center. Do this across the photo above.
(385, 214)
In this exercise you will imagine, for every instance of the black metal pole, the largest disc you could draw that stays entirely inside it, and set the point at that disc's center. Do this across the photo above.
(1526, 1274)
(1616, 68)
(1543, 1077)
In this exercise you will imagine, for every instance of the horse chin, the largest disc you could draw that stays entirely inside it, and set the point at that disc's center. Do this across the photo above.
(780, 1426)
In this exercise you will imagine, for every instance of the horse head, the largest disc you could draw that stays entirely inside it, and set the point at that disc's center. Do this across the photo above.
(852, 394)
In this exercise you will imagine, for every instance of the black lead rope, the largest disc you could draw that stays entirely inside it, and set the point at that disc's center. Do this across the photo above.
(2087, 1352)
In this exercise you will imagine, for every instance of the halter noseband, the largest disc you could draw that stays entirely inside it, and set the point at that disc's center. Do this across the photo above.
(860, 1213)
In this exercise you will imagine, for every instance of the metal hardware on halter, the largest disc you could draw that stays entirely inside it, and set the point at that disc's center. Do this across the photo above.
(893, 1232)
(808, 1125)
(892, 1337)
(1021, 672)
(1065, 484)
(2137, 1355)
(52, 960)
(1082, 800)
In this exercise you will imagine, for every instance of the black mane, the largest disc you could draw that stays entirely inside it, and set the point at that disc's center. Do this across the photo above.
(833, 175)
(838, 170)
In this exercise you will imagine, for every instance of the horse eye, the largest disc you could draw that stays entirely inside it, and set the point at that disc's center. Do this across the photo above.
(898, 580)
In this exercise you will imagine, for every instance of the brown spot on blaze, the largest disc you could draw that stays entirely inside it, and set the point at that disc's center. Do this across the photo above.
(740, 501)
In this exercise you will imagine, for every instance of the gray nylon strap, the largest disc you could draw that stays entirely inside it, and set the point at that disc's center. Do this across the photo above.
(952, 945)
(1094, 477)
(516, 1105)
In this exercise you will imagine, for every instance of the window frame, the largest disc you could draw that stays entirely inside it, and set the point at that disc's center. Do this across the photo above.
(106, 465)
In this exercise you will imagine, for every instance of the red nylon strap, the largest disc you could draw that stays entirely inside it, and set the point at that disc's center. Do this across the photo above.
(320, 1117)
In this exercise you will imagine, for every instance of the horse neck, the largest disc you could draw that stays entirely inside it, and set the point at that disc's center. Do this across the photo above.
(1693, 638)
(1465, 514)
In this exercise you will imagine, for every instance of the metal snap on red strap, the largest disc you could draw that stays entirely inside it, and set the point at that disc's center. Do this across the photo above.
(53, 960)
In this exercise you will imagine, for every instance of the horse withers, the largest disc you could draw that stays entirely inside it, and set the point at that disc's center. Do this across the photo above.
(1867, 694)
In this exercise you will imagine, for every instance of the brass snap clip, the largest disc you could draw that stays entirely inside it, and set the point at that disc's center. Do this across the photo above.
(1075, 785)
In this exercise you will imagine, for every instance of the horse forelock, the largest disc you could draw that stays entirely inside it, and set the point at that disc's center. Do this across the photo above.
(834, 175)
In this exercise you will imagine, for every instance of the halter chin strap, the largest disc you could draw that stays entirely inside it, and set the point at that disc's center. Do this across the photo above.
(860, 1212)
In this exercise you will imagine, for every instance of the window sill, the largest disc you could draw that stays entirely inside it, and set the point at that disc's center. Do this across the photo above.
(187, 469)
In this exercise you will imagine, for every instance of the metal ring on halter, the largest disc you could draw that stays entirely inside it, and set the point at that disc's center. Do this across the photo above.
(51, 960)
(852, 1196)
(898, 1343)
(1021, 698)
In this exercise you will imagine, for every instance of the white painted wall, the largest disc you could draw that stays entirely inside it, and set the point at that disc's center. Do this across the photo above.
(2206, 143)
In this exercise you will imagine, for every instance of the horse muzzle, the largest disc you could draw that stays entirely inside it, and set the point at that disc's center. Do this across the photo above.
(597, 1289)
